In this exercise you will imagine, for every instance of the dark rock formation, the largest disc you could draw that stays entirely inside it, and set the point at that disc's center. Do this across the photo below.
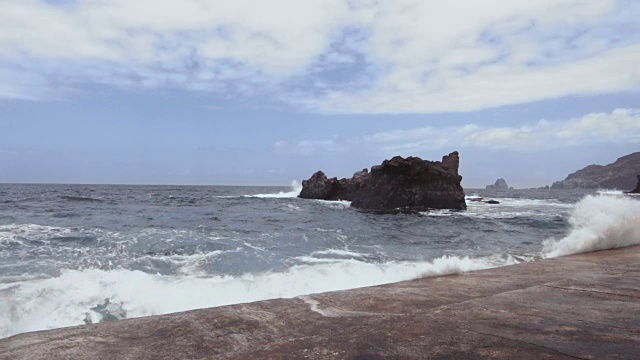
(396, 184)
(619, 175)
(482, 200)
(637, 189)
(323, 188)
(320, 187)
(499, 185)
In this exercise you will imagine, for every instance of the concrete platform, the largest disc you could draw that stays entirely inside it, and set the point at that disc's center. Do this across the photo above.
(577, 307)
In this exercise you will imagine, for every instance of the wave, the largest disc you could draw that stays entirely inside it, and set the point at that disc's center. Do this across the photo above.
(81, 198)
(335, 204)
(19, 233)
(508, 208)
(610, 192)
(598, 222)
(82, 296)
(295, 191)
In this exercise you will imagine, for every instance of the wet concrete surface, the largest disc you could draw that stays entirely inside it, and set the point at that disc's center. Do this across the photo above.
(583, 306)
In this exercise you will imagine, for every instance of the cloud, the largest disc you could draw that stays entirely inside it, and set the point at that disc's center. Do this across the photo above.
(464, 56)
(309, 146)
(215, 46)
(351, 56)
(619, 126)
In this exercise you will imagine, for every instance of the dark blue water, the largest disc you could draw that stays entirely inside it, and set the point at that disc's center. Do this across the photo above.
(155, 249)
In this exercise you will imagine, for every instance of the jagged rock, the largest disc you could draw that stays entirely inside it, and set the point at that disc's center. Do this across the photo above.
(619, 175)
(396, 184)
(320, 187)
(637, 189)
(500, 184)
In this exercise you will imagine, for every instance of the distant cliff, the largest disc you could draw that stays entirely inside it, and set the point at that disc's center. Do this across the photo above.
(500, 184)
(621, 175)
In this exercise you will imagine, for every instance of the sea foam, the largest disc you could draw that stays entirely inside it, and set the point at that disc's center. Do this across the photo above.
(598, 222)
(295, 191)
(72, 297)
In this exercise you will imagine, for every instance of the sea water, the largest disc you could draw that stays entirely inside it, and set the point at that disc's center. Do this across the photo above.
(76, 254)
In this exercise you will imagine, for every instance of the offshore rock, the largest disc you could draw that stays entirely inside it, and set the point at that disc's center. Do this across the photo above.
(619, 175)
(398, 184)
(320, 187)
(500, 184)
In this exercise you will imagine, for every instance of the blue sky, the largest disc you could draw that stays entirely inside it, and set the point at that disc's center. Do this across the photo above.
(214, 92)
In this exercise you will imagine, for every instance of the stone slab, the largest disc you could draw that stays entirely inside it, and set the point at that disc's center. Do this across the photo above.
(583, 306)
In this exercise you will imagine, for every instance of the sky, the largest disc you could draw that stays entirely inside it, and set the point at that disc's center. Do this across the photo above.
(268, 92)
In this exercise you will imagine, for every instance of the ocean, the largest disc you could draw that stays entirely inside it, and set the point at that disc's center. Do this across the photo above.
(76, 254)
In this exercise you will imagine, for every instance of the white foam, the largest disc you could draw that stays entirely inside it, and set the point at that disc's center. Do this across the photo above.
(611, 192)
(598, 223)
(16, 233)
(520, 202)
(335, 204)
(339, 252)
(295, 191)
(438, 213)
(508, 208)
(66, 300)
(189, 264)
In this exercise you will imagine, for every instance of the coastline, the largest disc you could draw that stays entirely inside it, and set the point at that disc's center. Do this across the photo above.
(577, 306)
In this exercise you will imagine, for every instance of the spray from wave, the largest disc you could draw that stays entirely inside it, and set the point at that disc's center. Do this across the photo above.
(598, 223)
(295, 191)
(84, 296)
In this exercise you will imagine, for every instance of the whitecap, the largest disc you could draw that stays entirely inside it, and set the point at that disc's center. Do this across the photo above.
(598, 223)
(69, 299)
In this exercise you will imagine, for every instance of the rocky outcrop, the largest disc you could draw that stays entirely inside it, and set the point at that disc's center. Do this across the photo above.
(619, 175)
(637, 189)
(323, 188)
(396, 184)
(500, 184)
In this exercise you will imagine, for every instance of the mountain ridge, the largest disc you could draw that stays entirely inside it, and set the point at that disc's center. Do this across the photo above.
(621, 174)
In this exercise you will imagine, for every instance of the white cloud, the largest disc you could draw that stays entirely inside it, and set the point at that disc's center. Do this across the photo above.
(463, 56)
(619, 126)
(309, 146)
(411, 55)
(199, 45)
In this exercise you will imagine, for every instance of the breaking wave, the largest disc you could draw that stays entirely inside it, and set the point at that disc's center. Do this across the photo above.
(599, 222)
(295, 191)
(84, 296)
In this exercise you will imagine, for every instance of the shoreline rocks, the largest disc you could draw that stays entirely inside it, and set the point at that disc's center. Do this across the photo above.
(400, 183)
(509, 312)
